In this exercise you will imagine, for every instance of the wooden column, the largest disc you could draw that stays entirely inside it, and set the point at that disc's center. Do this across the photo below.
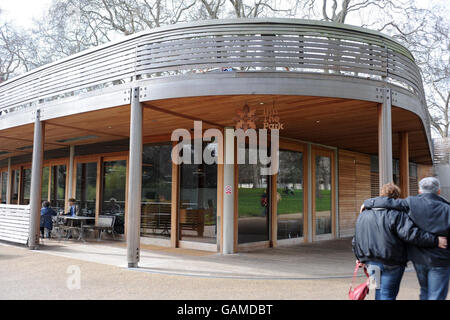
(70, 191)
(385, 138)
(274, 208)
(174, 229)
(404, 164)
(99, 188)
(9, 183)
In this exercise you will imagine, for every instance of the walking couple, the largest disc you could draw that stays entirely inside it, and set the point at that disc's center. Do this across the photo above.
(392, 231)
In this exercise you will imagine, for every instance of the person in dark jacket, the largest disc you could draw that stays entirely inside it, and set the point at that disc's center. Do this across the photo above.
(431, 213)
(46, 222)
(379, 243)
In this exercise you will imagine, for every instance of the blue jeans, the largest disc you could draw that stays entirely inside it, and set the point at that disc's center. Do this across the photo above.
(433, 281)
(388, 282)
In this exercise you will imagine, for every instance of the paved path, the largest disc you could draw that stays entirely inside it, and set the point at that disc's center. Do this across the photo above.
(301, 272)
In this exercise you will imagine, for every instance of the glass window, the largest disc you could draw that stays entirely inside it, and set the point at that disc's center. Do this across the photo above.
(253, 203)
(58, 187)
(290, 195)
(413, 170)
(156, 207)
(26, 186)
(45, 173)
(15, 186)
(86, 189)
(113, 197)
(323, 212)
(4, 186)
(198, 199)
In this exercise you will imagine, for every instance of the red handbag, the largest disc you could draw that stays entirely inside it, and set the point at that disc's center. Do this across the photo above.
(361, 291)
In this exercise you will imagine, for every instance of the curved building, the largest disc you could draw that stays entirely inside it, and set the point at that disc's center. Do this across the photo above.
(97, 126)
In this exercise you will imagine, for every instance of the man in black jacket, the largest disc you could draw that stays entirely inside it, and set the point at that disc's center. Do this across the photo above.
(380, 239)
(431, 213)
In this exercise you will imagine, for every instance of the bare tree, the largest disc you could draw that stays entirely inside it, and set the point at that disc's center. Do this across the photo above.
(436, 74)
(14, 48)
(425, 32)
(71, 26)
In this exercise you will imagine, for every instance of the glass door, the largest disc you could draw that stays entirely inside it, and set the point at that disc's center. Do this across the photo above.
(86, 188)
(58, 187)
(45, 183)
(26, 182)
(156, 206)
(15, 188)
(323, 194)
(253, 202)
(290, 195)
(197, 212)
(114, 192)
(3, 186)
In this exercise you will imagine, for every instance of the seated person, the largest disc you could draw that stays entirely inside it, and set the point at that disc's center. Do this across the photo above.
(46, 223)
(113, 207)
(73, 208)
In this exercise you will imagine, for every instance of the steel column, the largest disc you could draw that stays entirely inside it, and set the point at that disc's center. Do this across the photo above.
(134, 181)
(385, 138)
(36, 181)
(228, 192)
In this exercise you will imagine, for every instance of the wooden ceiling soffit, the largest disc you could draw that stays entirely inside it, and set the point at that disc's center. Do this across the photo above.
(180, 115)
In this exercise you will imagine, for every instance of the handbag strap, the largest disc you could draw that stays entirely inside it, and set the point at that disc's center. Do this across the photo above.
(358, 265)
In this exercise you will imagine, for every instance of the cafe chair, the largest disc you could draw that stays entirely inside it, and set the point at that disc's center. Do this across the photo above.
(104, 223)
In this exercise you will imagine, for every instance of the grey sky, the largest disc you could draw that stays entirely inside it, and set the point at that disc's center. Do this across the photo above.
(21, 12)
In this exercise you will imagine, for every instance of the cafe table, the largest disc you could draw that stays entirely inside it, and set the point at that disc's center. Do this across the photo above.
(82, 220)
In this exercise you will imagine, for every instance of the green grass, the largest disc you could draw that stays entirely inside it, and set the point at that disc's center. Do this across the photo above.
(250, 202)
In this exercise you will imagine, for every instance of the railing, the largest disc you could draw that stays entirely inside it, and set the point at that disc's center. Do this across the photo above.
(14, 223)
(274, 45)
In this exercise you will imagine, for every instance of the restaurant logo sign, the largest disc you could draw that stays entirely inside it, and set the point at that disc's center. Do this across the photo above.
(272, 119)
(246, 118)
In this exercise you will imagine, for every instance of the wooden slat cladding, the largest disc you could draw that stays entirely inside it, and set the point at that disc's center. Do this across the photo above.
(424, 171)
(374, 184)
(413, 186)
(354, 188)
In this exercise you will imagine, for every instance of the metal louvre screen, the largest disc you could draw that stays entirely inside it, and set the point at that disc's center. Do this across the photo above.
(14, 223)
(245, 46)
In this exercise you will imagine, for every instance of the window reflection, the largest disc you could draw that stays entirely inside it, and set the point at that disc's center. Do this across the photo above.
(4, 186)
(45, 173)
(156, 205)
(253, 203)
(15, 186)
(113, 196)
(323, 212)
(198, 198)
(26, 186)
(58, 187)
(86, 189)
(290, 195)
